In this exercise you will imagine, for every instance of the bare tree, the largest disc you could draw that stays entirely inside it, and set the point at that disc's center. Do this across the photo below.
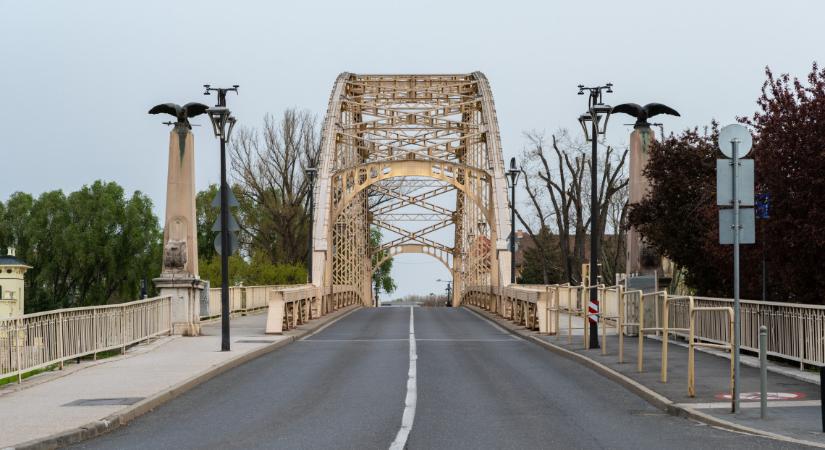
(557, 184)
(268, 170)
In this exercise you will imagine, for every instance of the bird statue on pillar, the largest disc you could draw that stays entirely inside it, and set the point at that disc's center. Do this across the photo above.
(182, 114)
(639, 256)
(642, 113)
(179, 277)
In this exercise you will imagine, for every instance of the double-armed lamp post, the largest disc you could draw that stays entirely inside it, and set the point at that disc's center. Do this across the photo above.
(222, 124)
(594, 124)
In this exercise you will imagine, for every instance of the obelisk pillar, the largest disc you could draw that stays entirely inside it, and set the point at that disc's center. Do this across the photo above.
(179, 276)
(638, 186)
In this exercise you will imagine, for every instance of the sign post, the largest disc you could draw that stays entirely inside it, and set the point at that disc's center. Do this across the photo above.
(734, 187)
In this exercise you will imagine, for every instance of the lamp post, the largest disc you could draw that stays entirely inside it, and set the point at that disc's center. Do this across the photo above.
(513, 173)
(449, 289)
(593, 126)
(310, 174)
(222, 124)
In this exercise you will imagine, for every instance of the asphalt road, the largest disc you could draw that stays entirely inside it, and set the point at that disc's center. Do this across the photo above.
(475, 387)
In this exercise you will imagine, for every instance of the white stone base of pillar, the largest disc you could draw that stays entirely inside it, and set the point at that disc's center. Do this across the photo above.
(185, 291)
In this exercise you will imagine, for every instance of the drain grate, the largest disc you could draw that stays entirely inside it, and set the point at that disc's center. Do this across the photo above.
(255, 341)
(119, 401)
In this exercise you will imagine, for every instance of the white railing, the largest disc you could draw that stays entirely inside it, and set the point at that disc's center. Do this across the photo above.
(242, 299)
(796, 332)
(290, 306)
(40, 340)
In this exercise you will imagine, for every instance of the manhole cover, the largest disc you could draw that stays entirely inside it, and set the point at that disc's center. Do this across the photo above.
(121, 401)
(254, 341)
(771, 396)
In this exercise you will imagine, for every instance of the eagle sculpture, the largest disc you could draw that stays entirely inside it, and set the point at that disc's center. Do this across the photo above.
(642, 113)
(182, 113)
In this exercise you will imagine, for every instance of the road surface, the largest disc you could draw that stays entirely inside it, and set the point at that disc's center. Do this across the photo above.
(462, 383)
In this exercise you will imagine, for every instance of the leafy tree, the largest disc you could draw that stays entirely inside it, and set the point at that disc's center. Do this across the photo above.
(541, 263)
(88, 248)
(682, 174)
(789, 160)
(251, 266)
(206, 218)
(789, 155)
(255, 272)
(382, 276)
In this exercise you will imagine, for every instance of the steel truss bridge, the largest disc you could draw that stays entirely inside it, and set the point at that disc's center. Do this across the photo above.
(419, 157)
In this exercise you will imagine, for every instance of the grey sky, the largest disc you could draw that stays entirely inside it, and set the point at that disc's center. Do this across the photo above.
(78, 77)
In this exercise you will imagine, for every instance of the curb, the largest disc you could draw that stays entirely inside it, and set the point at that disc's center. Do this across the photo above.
(654, 398)
(121, 418)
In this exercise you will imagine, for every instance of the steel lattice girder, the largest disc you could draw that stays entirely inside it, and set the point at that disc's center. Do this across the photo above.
(392, 136)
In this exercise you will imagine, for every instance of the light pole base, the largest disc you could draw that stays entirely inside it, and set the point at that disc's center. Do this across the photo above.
(594, 336)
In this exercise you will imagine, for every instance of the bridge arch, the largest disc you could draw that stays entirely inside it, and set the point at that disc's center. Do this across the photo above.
(440, 255)
(392, 135)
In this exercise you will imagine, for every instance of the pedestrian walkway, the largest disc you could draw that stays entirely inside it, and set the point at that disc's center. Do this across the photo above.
(89, 392)
(793, 405)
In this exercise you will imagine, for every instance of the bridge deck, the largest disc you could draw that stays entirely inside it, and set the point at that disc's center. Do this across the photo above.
(476, 387)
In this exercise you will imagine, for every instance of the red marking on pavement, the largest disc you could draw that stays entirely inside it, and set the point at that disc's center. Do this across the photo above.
(754, 396)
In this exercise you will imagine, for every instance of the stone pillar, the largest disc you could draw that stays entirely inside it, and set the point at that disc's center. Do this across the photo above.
(179, 276)
(638, 185)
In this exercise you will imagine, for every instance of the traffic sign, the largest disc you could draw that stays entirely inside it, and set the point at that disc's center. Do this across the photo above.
(747, 226)
(232, 200)
(738, 133)
(232, 225)
(233, 243)
(724, 182)
(763, 205)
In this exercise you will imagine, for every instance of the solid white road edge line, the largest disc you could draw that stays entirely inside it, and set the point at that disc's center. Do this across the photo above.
(412, 394)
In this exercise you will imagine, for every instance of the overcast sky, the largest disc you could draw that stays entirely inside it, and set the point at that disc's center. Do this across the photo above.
(77, 77)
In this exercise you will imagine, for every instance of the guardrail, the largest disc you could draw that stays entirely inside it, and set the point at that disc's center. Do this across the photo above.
(290, 306)
(797, 331)
(35, 341)
(242, 299)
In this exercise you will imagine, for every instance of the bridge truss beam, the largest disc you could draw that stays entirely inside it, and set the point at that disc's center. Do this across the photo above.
(395, 149)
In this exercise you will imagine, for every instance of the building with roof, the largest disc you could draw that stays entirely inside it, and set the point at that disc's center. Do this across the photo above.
(12, 284)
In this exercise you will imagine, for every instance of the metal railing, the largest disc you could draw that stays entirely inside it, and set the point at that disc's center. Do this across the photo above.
(797, 331)
(290, 306)
(35, 341)
(242, 299)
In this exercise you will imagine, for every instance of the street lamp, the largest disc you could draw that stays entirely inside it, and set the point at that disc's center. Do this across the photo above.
(222, 124)
(594, 123)
(310, 174)
(449, 289)
(513, 173)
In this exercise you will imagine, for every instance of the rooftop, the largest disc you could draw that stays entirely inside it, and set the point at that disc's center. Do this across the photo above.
(6, 260)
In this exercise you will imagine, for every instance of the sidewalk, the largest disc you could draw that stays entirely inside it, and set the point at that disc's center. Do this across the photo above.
(795, 415)
(95, 393)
